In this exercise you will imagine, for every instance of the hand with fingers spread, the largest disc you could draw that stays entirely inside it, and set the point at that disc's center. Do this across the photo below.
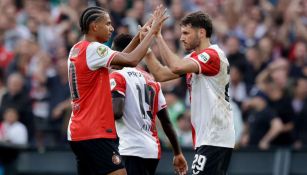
(180, 164)
(159, 17)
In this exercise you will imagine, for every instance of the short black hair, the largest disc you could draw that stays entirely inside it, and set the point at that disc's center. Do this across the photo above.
(198, 19)
(121, 41)
(89, 15)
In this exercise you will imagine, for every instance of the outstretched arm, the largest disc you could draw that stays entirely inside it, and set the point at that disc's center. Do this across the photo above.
(179, 162)
(177, 66)
(133, 43)
(136, 39)
(160, 72)
(134, 57)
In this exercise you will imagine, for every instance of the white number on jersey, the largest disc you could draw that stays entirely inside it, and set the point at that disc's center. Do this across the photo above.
(198, 163)
(149, 99)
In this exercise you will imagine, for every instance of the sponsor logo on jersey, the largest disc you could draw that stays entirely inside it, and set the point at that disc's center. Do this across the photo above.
(203, 57)
(116, 159)
(112, 83)
(102, 51)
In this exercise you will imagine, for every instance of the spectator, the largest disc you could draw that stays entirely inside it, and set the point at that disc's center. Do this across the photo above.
(18, 99)
(262, 125)
(299, 105)
(13, 133)
(11, 130)
(237, 88)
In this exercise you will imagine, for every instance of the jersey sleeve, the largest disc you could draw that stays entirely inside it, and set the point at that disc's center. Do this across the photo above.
(98, 55)
(208, 62)
(161, 100)
(118, 83)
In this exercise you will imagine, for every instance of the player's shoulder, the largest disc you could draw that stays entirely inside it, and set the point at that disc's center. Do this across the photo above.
(101, 49)
(220, 53)
(116, 72)
(214, 51)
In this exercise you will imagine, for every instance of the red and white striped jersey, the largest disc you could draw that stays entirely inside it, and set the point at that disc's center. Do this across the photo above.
(211, 113)
(92, 113)
(143, 99)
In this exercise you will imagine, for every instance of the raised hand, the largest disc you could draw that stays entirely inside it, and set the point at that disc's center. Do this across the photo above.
(180, 164)
(159, 17)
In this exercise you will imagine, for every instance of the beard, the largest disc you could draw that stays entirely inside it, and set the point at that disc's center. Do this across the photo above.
(195, 42)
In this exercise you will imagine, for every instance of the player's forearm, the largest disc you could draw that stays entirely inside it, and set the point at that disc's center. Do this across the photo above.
(169, 131)
(160, 72)
(133, 44)
(139, 52)
(170, 58)
(171, 135)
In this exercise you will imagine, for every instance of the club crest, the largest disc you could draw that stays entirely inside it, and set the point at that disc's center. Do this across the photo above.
(116, 159)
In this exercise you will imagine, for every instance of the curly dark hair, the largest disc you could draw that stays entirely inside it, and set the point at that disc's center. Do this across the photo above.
(198, 19)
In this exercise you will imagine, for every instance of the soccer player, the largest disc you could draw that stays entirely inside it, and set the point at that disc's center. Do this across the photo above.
(91, 129)
(137, 101)
(207, 71)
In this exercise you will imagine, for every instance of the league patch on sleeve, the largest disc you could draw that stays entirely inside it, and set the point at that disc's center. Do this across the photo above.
(102, 51)
(204, 57)
(112, 83)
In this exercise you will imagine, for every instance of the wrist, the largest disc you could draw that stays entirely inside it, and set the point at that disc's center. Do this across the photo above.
(149, 51)
(159, 36)
(177, 153)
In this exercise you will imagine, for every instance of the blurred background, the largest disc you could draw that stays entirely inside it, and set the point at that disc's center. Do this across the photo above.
(266, 45)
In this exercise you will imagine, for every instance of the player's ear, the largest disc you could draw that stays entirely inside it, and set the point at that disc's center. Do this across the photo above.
(93, 27)
(202, 32)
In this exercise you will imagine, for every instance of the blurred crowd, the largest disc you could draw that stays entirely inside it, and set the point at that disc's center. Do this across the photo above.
(265, 42)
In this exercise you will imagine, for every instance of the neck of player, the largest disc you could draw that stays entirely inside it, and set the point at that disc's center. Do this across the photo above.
(91, 38)
(204, 44)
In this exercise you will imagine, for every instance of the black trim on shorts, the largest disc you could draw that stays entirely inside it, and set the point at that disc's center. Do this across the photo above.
(140, 166)
(209, 160)
(96, 156)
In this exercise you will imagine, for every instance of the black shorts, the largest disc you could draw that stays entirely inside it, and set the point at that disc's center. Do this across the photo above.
(209, 160)
(140, 166)
(96, 156)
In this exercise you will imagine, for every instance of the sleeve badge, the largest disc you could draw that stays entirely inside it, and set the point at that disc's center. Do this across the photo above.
(112, 83)
(204, 57)
(102, 51)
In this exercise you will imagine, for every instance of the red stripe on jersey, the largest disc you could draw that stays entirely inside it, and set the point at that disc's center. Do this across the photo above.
(163, 106)
(120, 82)
(208, 61)
(193, 136)
(188, 81)
(110, 59)
(150, 81)
(154, 132)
